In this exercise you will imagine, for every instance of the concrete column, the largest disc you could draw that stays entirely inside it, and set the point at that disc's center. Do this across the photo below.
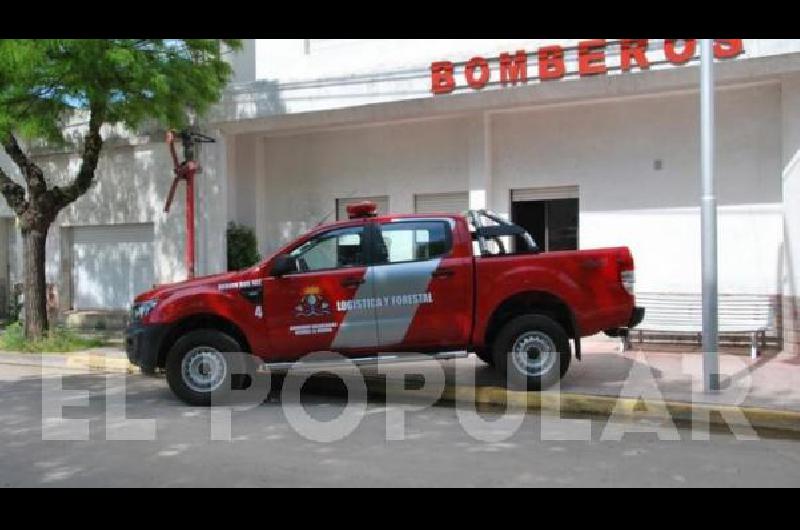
(212, 211)
(246, 167)
(480, 161)
(253, 185)
(230, 174)
(260, 200)
(790, 274)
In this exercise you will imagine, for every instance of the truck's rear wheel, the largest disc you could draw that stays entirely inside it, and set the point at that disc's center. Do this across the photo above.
(200, 366)
(532, 352)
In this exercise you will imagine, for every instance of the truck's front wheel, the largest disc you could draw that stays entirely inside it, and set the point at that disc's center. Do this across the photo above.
(200, 366)
(532, 352)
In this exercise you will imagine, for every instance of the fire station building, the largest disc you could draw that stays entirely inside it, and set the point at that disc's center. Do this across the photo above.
(586, 143)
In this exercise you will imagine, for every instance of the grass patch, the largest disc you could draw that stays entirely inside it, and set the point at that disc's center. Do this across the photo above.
(56, 340)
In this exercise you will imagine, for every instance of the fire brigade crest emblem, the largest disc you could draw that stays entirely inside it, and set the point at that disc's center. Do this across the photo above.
(312, 303)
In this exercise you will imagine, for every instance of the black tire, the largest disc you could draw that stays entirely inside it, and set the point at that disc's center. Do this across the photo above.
(485, 355)
(214, 340)
(538, 329)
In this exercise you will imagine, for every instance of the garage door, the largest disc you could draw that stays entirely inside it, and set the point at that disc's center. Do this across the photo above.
(111, 264)
(456, 202)
(341, 205)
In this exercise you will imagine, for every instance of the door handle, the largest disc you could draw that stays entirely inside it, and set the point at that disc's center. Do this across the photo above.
(352, 282)
(443, 273)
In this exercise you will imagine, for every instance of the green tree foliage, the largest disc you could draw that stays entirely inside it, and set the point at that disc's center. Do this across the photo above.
(242, 247)
(46, 82)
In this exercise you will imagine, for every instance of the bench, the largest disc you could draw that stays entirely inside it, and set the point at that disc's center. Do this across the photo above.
(681, 313)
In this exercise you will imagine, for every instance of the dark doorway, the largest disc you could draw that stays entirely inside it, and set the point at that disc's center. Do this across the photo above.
(552, 223)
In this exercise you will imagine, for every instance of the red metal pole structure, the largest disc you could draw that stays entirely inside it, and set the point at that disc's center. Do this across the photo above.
(186, 170)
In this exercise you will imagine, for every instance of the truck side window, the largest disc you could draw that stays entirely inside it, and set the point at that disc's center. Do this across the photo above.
(332, 250)
(404, 241)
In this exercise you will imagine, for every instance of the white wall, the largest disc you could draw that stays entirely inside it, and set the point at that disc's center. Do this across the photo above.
(304, 174)
(131, 186)
(609, 150)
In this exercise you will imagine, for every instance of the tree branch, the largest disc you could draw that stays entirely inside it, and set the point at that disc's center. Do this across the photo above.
(32, 174)
(14, 193)
(93, 143)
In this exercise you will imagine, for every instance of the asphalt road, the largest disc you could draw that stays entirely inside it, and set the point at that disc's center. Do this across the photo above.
(265, 450)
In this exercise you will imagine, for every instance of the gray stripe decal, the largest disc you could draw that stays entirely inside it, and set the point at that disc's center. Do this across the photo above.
(400, 279)
(358, 329)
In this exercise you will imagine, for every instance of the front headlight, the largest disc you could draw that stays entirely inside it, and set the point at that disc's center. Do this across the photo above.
(142, 309)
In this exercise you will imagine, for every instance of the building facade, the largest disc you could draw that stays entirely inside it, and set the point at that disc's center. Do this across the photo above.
(587, 143)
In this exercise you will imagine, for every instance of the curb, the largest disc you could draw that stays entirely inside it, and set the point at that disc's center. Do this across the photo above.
(87, 361)
(98, 362)
(565, 402)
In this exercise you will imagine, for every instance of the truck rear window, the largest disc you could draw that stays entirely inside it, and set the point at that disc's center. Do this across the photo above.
(405, 241)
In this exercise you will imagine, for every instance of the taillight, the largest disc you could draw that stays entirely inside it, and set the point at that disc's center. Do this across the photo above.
(628, 279)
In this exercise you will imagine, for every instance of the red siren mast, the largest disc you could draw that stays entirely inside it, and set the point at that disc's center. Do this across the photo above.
(186, 170)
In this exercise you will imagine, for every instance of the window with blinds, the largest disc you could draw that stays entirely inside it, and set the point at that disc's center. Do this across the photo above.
(455, 202)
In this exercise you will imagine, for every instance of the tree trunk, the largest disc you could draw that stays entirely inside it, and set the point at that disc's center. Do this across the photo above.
(35, 290)
(39, 208)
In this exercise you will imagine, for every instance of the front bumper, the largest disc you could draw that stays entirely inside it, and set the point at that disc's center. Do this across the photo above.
(143, 344)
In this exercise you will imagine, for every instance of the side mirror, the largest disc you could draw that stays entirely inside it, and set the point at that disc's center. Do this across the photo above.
(283, 264)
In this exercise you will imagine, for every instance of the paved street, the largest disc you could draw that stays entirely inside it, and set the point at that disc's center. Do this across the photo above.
(264, 449)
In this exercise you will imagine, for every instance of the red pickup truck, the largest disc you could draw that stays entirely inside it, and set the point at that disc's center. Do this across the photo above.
(397, 283)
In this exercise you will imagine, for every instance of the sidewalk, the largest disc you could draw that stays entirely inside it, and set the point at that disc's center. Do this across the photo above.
(772, 381)
(633, 384)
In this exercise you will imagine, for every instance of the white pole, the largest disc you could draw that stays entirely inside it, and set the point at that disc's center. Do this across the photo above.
(708, 220)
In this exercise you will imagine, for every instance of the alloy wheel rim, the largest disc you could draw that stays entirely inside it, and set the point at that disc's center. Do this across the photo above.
(204, 369)
(534, 353)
